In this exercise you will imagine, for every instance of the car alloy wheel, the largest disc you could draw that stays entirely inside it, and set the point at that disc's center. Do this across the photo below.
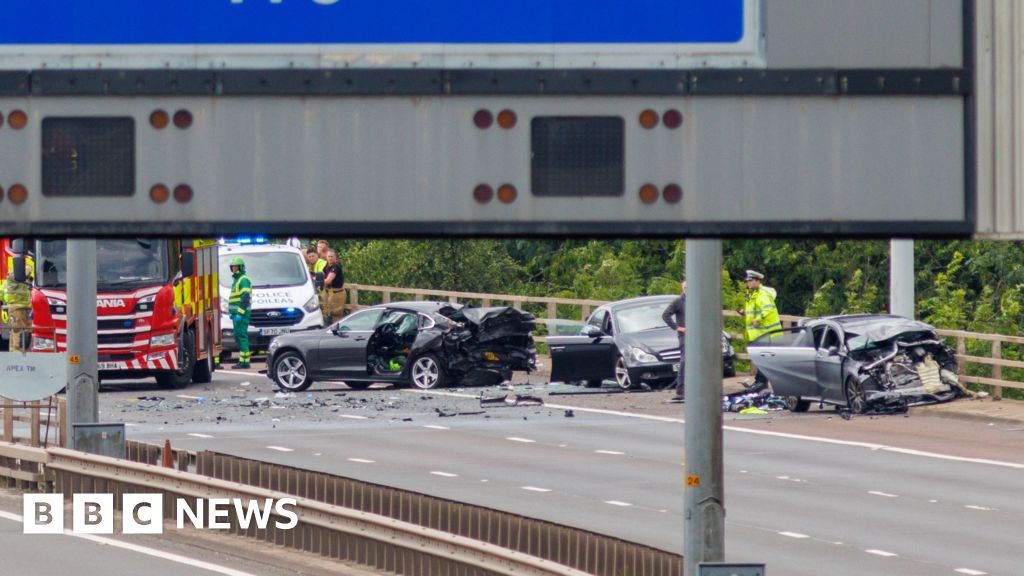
(855, 399)
(426, 373)
(622, 374)
(291, 373)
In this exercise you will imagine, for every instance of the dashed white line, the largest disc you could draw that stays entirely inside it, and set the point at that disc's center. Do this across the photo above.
(883, 494)
(517, 439)
(362, 461)
(617, 503)
(793, 535)
(612, 452)
(354, 417)
(187, 397)
(882, 553)
(445, 474)
(970, 572)
(198, 435)
(436, 427)
(536, 489)
(982, 508)
(281, 448)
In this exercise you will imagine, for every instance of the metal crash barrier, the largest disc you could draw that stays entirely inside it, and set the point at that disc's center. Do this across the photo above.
(386, 528)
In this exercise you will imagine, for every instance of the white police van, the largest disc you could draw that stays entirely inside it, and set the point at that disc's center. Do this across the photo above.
(284, 298)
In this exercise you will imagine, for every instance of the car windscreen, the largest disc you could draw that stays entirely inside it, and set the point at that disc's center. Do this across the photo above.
(120, 264)
(857, 342)
(267, 269)
(642, 317)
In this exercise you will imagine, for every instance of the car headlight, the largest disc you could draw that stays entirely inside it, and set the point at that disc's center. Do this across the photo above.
(162, 340)
(223, 306)
(274, 345)
(642, 356)
(42, 344)
(312, 305)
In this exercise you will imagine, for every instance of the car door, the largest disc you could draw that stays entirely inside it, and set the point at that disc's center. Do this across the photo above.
(589, 356)
(828, 363)
(343, 350)
(787, 359)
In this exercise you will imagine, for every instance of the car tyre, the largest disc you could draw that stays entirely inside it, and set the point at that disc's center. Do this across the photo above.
(358, 385)
(291, 373)
(622, 374)
(181, 377)
(856, 401)
(797, 404)
(426, 373)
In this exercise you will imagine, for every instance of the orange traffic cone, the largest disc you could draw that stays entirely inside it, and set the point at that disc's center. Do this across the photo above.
(168, 459)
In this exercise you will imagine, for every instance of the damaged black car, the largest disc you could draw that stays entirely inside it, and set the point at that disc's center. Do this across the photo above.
(862, 362)
(426, 345)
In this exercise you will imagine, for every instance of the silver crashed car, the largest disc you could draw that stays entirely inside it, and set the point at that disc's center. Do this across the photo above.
(862, 362)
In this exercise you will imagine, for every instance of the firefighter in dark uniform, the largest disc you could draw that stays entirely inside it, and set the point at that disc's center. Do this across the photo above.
(240, 308)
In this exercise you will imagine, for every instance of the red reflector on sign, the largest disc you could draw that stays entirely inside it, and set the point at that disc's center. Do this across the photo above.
(483, 119)
(672, 194)
(182, 193)
(672, 119)
(483, 194)
(183, 119)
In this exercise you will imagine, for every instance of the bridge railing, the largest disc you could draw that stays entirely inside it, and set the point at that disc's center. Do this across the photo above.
(982, 357)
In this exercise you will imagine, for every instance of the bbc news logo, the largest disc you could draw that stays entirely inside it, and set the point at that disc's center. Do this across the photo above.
(144, 513)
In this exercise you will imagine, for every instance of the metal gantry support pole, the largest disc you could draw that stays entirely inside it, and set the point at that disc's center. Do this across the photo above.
(83, 380)
(704, 523)
(901, 277)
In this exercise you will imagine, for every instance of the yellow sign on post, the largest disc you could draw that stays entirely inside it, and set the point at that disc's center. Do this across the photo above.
(693, 481)
(74, 359)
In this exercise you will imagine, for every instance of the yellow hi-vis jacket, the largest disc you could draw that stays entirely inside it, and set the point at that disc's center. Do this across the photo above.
(17, 295)
(760, 306)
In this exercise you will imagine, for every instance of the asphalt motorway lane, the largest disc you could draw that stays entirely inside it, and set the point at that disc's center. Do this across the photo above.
(806, 494)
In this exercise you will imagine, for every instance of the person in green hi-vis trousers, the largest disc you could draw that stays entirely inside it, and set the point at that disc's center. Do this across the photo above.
(239, 308)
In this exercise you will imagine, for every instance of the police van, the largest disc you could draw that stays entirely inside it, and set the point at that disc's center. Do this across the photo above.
(284, 298)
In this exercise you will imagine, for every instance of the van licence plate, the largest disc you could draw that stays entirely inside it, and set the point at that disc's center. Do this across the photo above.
(273, 331)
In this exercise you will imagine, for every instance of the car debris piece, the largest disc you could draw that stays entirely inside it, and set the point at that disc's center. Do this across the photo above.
(511, 400)
(446, 414)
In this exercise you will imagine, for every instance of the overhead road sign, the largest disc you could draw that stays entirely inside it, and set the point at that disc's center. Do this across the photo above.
(662, 34)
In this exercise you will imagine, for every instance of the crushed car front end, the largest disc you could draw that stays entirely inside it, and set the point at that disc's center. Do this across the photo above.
(484, 346)
(911, 368)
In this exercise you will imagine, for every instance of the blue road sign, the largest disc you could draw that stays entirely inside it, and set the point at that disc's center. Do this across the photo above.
(256, 22)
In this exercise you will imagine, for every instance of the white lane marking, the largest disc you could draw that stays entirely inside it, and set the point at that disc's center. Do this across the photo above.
(445, 474)
(281, 448)
(933, 501)
(198, 435)
(516, 439)
(354, 417)
(793, 535)
(241, 373)
(868, 445)
(883, 494)
(535, 489)
(144, 550)
(187, 397)
(882, 553)
(976, 507)
(617, 503)
(436, 427)
(612, 452)
(362, 461)
(970, 572)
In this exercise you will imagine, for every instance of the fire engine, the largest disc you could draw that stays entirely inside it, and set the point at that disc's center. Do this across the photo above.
(156, 307)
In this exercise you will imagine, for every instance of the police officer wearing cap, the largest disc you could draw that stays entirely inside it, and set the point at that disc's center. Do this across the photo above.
(760, 315)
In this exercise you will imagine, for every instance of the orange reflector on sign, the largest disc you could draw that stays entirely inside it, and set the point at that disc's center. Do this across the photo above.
(507, 119)
(159, 119)
(17, 119)
(648, 119)
(18, 194)
(159, 194)
(507, 193)
(648, 193)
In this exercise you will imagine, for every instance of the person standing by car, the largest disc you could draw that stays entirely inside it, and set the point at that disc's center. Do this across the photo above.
(314, 263)
(18, 297)
(675, 316)
(760, 316)
(334, 286)
(240, 308)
